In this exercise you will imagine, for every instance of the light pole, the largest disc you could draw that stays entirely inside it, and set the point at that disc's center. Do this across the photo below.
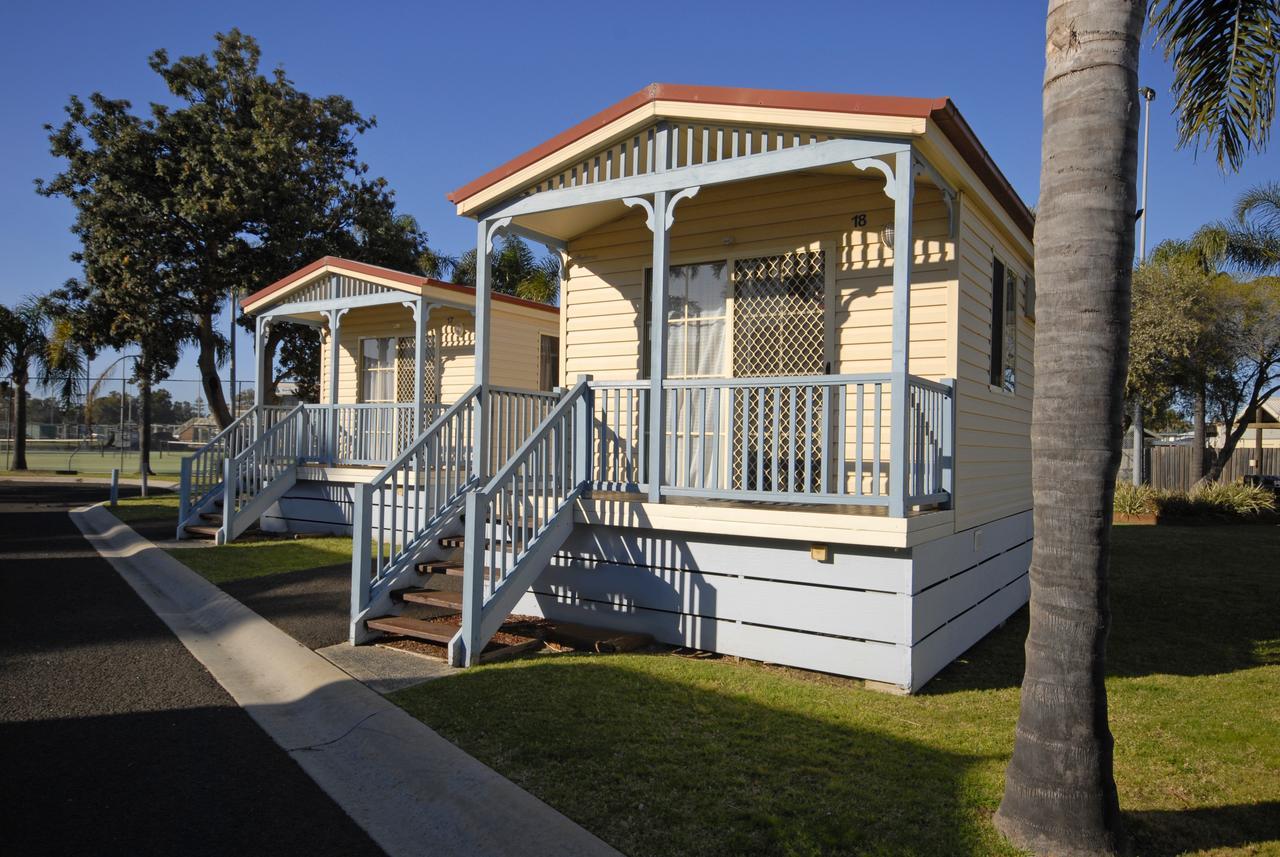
(1148, 95)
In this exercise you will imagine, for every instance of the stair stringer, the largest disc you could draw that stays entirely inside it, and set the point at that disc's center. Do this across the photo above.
(208, 504)
(234, 525)
(426, 549)
(499, 605)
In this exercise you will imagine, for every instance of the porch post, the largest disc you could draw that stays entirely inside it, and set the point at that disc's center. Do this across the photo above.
(903, 185)
(262, 372)
(484, 270)
(420, 312)
(335, 316)
(658, 343)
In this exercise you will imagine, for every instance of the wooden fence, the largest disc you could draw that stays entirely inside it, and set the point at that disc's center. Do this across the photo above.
(1170, 466)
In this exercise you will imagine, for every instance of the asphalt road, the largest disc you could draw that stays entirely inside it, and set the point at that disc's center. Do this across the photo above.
(113, 738)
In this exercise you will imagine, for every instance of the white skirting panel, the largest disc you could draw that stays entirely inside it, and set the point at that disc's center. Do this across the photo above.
(889, 616)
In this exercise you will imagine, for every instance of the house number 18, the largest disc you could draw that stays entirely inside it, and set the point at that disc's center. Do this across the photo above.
(859, 220)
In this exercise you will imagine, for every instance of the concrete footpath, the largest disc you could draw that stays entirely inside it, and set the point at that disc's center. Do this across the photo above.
(412, 791)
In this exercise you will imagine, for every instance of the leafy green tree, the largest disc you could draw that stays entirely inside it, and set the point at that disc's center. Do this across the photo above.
(517, 270)
(1060, 795)
(1244, 371)
(246, 179)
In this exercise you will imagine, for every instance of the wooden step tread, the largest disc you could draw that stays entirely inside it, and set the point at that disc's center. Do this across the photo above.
(433, 597)
(438, 631)
(453, 569)
(452, 541)
(212, 517)
(201, 530)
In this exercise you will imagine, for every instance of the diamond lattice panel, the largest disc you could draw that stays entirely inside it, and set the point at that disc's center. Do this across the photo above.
(778, 330)
(404, 369)
(778, 315)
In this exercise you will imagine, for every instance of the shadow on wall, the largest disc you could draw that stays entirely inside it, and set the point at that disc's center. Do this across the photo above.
(678, 603)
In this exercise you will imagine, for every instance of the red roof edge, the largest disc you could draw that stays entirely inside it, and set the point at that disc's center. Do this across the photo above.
(386, 274)
(941, 110)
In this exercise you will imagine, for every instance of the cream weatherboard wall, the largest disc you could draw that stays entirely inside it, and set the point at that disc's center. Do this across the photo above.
(993, 427)
(514, 352)
(604, 290)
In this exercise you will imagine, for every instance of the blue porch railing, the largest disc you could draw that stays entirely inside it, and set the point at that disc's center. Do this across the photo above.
(822, 439)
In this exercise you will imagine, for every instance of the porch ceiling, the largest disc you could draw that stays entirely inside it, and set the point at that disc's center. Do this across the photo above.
(566, 224)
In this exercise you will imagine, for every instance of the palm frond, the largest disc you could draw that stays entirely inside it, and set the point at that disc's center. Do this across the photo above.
(1260, 206)
(1225, 56)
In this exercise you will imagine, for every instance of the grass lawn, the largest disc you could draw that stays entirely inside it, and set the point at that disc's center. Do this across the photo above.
(90, 462)
(661, 755)
(248, 557)
(157, 507)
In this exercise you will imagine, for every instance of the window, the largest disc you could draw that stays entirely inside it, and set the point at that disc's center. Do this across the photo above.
(779, 315)
(378, 369)
(549, 363)
(1004, 326)
(697, 318)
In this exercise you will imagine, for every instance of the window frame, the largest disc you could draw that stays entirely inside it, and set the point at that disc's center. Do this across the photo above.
(362, 386)
(830, 304)
(1005, 288)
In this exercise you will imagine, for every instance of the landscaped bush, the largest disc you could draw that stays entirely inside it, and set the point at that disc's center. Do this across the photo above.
(1213, 500)
(1135, 500)
(1235, 499)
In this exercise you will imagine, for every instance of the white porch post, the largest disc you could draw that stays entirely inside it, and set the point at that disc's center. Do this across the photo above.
(658, 343)
(421, 310)
(661, 214)
(484, 272)
(903, 187)
(262, 362)
(335, 316)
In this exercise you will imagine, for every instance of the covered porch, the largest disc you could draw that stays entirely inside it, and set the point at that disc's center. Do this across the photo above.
(387, 365)
(718, 363)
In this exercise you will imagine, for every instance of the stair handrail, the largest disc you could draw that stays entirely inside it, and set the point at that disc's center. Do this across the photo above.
(509, 519)
(201, 473)
(444, 453)
(247, 473)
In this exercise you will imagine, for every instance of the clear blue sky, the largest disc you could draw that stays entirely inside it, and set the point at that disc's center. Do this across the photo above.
(458, 88)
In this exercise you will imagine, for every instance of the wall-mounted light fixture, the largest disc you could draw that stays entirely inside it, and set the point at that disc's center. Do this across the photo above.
(886, 235)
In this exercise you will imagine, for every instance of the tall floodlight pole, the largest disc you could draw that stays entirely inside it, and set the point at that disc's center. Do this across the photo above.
(1148, 95)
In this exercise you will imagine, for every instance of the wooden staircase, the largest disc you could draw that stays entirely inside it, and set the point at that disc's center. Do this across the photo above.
(210, 524)
(441, 596)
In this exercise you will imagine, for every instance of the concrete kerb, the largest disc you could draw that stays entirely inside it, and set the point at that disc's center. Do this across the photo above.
(410, 789)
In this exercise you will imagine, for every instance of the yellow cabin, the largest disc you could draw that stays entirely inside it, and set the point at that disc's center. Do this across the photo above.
(795, 363)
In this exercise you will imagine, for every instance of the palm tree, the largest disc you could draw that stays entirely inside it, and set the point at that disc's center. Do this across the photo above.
(1250, 241)
(516, 271)
(24, 343)
(1060, 794)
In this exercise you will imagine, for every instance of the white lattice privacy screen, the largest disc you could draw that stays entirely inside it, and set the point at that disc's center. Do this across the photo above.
(778, 330)
(778, 312)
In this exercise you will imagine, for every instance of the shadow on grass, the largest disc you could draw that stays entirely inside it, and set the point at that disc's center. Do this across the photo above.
(1167, 833)
(1185, 601)
(675, 759)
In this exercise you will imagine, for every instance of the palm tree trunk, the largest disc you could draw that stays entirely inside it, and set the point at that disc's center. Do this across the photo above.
(1060, 795)
(20, 421)
(207, 363)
